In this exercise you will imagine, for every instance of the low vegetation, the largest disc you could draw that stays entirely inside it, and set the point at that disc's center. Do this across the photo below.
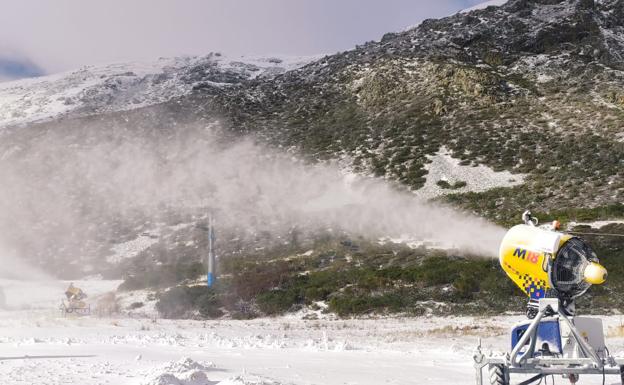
(453, 186)
(163, 276)
(360, 278)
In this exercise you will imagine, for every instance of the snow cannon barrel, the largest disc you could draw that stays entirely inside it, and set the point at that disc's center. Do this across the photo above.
(545, 263)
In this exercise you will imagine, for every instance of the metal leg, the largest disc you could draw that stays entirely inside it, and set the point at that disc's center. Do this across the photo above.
(479, 377)
(531, 332)
(479, 363)
(586, 361)
(587, 350)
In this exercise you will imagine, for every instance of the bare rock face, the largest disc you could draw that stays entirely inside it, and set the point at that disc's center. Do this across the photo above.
(580, 27)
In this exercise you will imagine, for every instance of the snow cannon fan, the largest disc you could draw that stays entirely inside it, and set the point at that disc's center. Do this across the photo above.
(553, 269)
(545, 263)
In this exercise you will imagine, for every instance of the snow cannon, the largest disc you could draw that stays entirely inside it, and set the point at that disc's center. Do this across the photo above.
(75, 302)
(553, 269)
(546, 263)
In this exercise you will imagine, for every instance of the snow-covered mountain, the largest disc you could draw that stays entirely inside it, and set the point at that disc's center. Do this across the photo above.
(125, 86)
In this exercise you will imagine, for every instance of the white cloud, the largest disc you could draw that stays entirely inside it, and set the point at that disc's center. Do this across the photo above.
(65, 34)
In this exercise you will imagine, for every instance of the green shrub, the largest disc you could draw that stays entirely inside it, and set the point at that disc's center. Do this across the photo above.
(466, 285)
(348, 305)
(382, 279)
(443, 184)
(446, 185)
(163, 276)
(277, 302)
(188, 301)
(175, 303)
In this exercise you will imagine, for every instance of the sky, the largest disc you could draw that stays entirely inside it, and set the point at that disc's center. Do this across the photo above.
(60, 35)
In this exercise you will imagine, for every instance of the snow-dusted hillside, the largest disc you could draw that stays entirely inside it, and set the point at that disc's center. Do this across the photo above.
(125, 86)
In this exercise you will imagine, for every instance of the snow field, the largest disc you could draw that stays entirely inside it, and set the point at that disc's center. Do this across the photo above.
(40, 347)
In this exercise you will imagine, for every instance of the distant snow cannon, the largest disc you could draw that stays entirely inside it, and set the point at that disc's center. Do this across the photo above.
(75, 302)
(553, 269)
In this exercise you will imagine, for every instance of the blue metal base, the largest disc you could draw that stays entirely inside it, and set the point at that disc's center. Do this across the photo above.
(548, 333)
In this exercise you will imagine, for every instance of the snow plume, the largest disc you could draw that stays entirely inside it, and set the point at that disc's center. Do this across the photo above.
(23, 285)
(12, 267)
(65, 193)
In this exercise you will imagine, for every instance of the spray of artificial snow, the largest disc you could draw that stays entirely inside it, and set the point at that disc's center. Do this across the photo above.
(70, 191)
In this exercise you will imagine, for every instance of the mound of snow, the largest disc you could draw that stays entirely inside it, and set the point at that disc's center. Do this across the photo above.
(186, 364)
(188, 372)
(248, 380)
(182, 372)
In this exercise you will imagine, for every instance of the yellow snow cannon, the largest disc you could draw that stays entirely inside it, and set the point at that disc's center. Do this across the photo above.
(547, 263)
(75, 302)
(553, 269)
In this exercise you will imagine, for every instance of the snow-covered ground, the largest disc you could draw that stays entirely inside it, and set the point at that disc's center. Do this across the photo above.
(444, 167)
(43, 348)
(126, 86)
(40, 346)
(595, 224)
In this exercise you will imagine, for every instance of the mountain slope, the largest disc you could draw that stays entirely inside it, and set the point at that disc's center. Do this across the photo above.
(118, 87)
(533, 86)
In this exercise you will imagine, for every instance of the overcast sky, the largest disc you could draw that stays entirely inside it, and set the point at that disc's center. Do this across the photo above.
(65, 34)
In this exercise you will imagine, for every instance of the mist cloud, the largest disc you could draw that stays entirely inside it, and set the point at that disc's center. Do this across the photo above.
(67, 195)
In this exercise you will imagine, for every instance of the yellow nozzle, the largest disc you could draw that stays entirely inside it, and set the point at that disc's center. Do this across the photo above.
(595, 274)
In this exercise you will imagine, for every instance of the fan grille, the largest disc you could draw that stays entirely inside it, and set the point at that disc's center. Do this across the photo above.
(570, 263)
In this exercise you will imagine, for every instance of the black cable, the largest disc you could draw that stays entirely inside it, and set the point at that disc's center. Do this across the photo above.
(533, 379)
(603, 368)
(596, 234)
